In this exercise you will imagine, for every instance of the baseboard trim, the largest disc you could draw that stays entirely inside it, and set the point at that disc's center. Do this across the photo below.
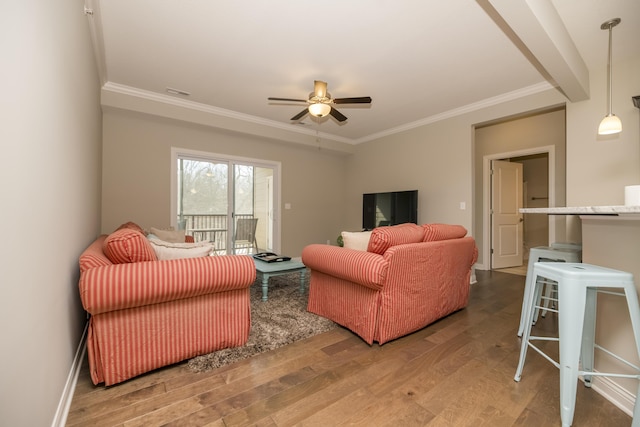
(621, 398)
(62, 412)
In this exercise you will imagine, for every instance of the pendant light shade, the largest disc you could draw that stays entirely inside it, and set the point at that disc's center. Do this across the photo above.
(610, 124)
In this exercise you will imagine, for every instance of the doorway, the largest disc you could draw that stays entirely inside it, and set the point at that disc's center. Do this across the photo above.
(527, 134)
(538, 183)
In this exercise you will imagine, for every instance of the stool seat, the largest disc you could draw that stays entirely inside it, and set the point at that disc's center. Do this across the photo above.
(566, 245)
(578, 285)
(564, 253)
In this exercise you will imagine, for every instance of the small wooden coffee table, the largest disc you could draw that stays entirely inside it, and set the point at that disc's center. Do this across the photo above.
(271, 269)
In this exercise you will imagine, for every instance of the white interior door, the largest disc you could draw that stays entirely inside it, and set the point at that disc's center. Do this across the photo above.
(506, 219)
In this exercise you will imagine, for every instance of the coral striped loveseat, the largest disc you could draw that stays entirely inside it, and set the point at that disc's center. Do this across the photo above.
(409, 277)
(148, 313)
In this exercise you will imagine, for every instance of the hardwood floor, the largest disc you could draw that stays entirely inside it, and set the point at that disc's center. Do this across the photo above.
(455, 372)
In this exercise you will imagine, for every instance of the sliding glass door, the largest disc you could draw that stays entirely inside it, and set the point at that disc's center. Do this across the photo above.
(227, 201)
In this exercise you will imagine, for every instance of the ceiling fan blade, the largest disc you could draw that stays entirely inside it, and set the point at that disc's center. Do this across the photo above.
(300, 115)
(287, 99)
(337, 115)
(358, 100)
(320, 88)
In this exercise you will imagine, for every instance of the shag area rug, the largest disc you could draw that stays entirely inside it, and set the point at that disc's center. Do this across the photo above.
(281, 320)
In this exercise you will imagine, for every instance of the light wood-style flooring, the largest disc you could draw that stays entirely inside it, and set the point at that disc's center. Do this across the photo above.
(455, 372)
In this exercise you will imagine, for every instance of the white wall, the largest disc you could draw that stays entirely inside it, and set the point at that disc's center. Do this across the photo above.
(50, 177)
(599, 167)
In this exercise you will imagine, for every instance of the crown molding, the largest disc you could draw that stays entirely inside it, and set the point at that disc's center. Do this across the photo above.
(489, 102)
(232, 118)
(131, 98)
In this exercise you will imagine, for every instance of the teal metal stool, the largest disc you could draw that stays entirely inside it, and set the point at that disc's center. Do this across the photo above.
(547, 254)
(550, 293)
(578, 285)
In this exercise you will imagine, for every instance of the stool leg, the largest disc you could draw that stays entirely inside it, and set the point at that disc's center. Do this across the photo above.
(528, 315)
(528, 285)
(635, 422)
(634, 313)
(589, 334)
(537, 299)
(570, 325)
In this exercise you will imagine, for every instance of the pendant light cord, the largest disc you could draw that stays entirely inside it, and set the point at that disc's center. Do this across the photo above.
(610, 68)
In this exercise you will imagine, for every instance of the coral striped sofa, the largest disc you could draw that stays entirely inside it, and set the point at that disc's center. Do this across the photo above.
(409, 276)
(148, 313)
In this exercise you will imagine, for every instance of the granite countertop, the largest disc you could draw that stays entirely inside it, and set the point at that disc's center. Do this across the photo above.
(585, 210)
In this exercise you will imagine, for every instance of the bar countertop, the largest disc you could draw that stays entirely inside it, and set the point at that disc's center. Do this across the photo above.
(585, 210)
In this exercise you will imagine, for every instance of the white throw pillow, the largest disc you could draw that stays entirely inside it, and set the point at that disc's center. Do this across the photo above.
(356, 240)
(173, 236)
(167, 250)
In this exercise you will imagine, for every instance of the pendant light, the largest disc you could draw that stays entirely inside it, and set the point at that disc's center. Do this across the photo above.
(611, 123)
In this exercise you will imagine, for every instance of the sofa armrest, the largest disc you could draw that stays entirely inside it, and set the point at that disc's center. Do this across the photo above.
(121, 286)
(364, 268)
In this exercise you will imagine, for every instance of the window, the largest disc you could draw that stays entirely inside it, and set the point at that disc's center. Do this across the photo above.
(226, 200)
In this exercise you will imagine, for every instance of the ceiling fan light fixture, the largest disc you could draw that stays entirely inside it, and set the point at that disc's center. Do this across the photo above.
(319, 109)
(320, 103)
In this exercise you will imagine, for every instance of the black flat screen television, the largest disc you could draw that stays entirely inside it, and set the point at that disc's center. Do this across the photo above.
(392, 208)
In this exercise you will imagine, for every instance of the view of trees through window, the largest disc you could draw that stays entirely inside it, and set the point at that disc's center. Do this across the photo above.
(204, 188)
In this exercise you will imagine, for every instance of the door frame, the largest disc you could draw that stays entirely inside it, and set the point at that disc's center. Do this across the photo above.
(208, 156)
(550, 150)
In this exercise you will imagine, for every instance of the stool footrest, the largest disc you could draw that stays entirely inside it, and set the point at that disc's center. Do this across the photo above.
(618, 294)
(615, 356)
(542, 353)
(609, 374)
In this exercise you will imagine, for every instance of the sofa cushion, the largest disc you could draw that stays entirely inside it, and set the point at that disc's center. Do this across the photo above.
(168, 235)
(128, 245)
(382, 238)
(170, 250)
(132, 226)
(358, 240)
(435, 232)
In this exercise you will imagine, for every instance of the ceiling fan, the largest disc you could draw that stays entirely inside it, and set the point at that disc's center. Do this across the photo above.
(320, 103)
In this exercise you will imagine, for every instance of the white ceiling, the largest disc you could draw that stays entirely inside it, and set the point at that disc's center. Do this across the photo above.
(418, 59)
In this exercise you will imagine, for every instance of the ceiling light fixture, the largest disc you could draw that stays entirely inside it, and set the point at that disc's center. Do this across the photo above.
(319, 109)
(610, 124)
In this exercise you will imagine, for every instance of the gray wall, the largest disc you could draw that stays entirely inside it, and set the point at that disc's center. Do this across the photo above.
(137, 180)
(438, 159)
(536, 176)
(50, 177)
